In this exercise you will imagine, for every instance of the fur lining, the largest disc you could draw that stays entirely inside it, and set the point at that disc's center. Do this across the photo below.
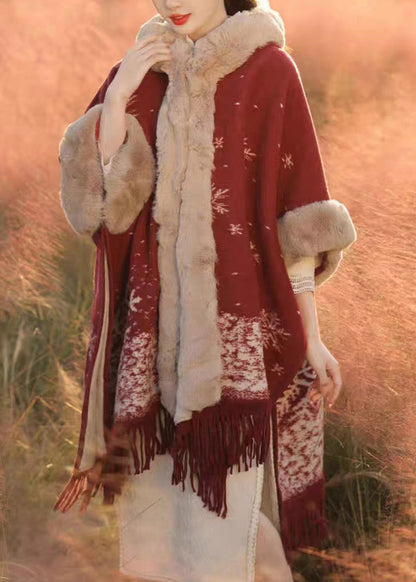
(319, 228)
(87, 196)
(333, 260)
(190, 377)
(82, 183)
(131, 180)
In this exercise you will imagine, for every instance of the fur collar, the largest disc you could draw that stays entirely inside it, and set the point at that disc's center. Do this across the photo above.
(224, 48)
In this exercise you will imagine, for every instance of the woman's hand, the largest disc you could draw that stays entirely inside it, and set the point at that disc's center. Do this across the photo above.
(327, 369)
(136, 62)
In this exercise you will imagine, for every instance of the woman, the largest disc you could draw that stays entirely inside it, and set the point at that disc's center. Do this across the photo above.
(197, 172)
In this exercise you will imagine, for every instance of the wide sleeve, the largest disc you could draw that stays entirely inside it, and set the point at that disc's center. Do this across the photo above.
(309, 222)
(91, 197)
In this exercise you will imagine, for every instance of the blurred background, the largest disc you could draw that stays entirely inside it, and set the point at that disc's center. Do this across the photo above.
(358, 65)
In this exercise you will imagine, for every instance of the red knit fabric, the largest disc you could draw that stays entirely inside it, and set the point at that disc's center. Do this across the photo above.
(267, 161)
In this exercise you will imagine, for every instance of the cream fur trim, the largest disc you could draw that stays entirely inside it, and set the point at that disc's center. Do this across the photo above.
(82, 186)
(189, 359)
(315, 228)
(224, 48)
(87, 196)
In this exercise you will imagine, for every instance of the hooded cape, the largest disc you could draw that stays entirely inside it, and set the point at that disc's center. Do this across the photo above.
(195, 329)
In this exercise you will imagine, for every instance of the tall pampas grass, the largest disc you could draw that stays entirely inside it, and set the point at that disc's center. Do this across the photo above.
(357, 64)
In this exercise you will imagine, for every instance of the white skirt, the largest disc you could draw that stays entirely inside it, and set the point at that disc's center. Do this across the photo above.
(166, 534)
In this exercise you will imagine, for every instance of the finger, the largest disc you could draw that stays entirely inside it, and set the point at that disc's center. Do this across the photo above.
(93, 483)
(87, 494)
(158, 56)
(314, 393)
(154, 44)
(149, 52)
(323, 387)
(334, 395)
(144, 41)
(335, 374)
(316, 396)
(326, 391)
(155, 37)
(337, 384)
(158, 45)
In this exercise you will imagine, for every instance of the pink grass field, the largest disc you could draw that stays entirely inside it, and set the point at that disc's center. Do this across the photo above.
(358, 64)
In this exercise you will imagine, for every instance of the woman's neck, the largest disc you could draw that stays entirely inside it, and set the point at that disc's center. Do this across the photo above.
(217, 19)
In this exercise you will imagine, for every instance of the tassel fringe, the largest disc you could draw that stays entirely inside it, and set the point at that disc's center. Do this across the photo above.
(75, 487)
(158, 420)
(210, 445)
(214, 441)
(303, 521)
(110, 471)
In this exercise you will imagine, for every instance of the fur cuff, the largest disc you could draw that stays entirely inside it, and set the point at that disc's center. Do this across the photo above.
(323, 229)
(87, 196)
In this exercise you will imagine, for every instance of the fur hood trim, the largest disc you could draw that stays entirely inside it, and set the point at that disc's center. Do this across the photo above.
(224, 48)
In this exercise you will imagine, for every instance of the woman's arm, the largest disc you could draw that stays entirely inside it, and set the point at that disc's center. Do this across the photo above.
(112, 124)
(137, 61)
(317, 354)
(307, 308)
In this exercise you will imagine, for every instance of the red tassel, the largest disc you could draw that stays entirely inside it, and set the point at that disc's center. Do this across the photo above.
(156, 420)
(71, 492)
(303, 521)
(78, 485)
(109, 472)
(216, 439)
(231, 433)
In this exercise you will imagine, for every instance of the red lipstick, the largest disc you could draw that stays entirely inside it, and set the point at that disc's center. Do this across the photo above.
(179, 19)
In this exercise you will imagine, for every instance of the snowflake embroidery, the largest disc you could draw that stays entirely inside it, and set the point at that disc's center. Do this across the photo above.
(273, 332)
(236, 229)
(133, 301)
(248, 154)
(278, 369)
(218, 142)
(287, 160)
(217, 195)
